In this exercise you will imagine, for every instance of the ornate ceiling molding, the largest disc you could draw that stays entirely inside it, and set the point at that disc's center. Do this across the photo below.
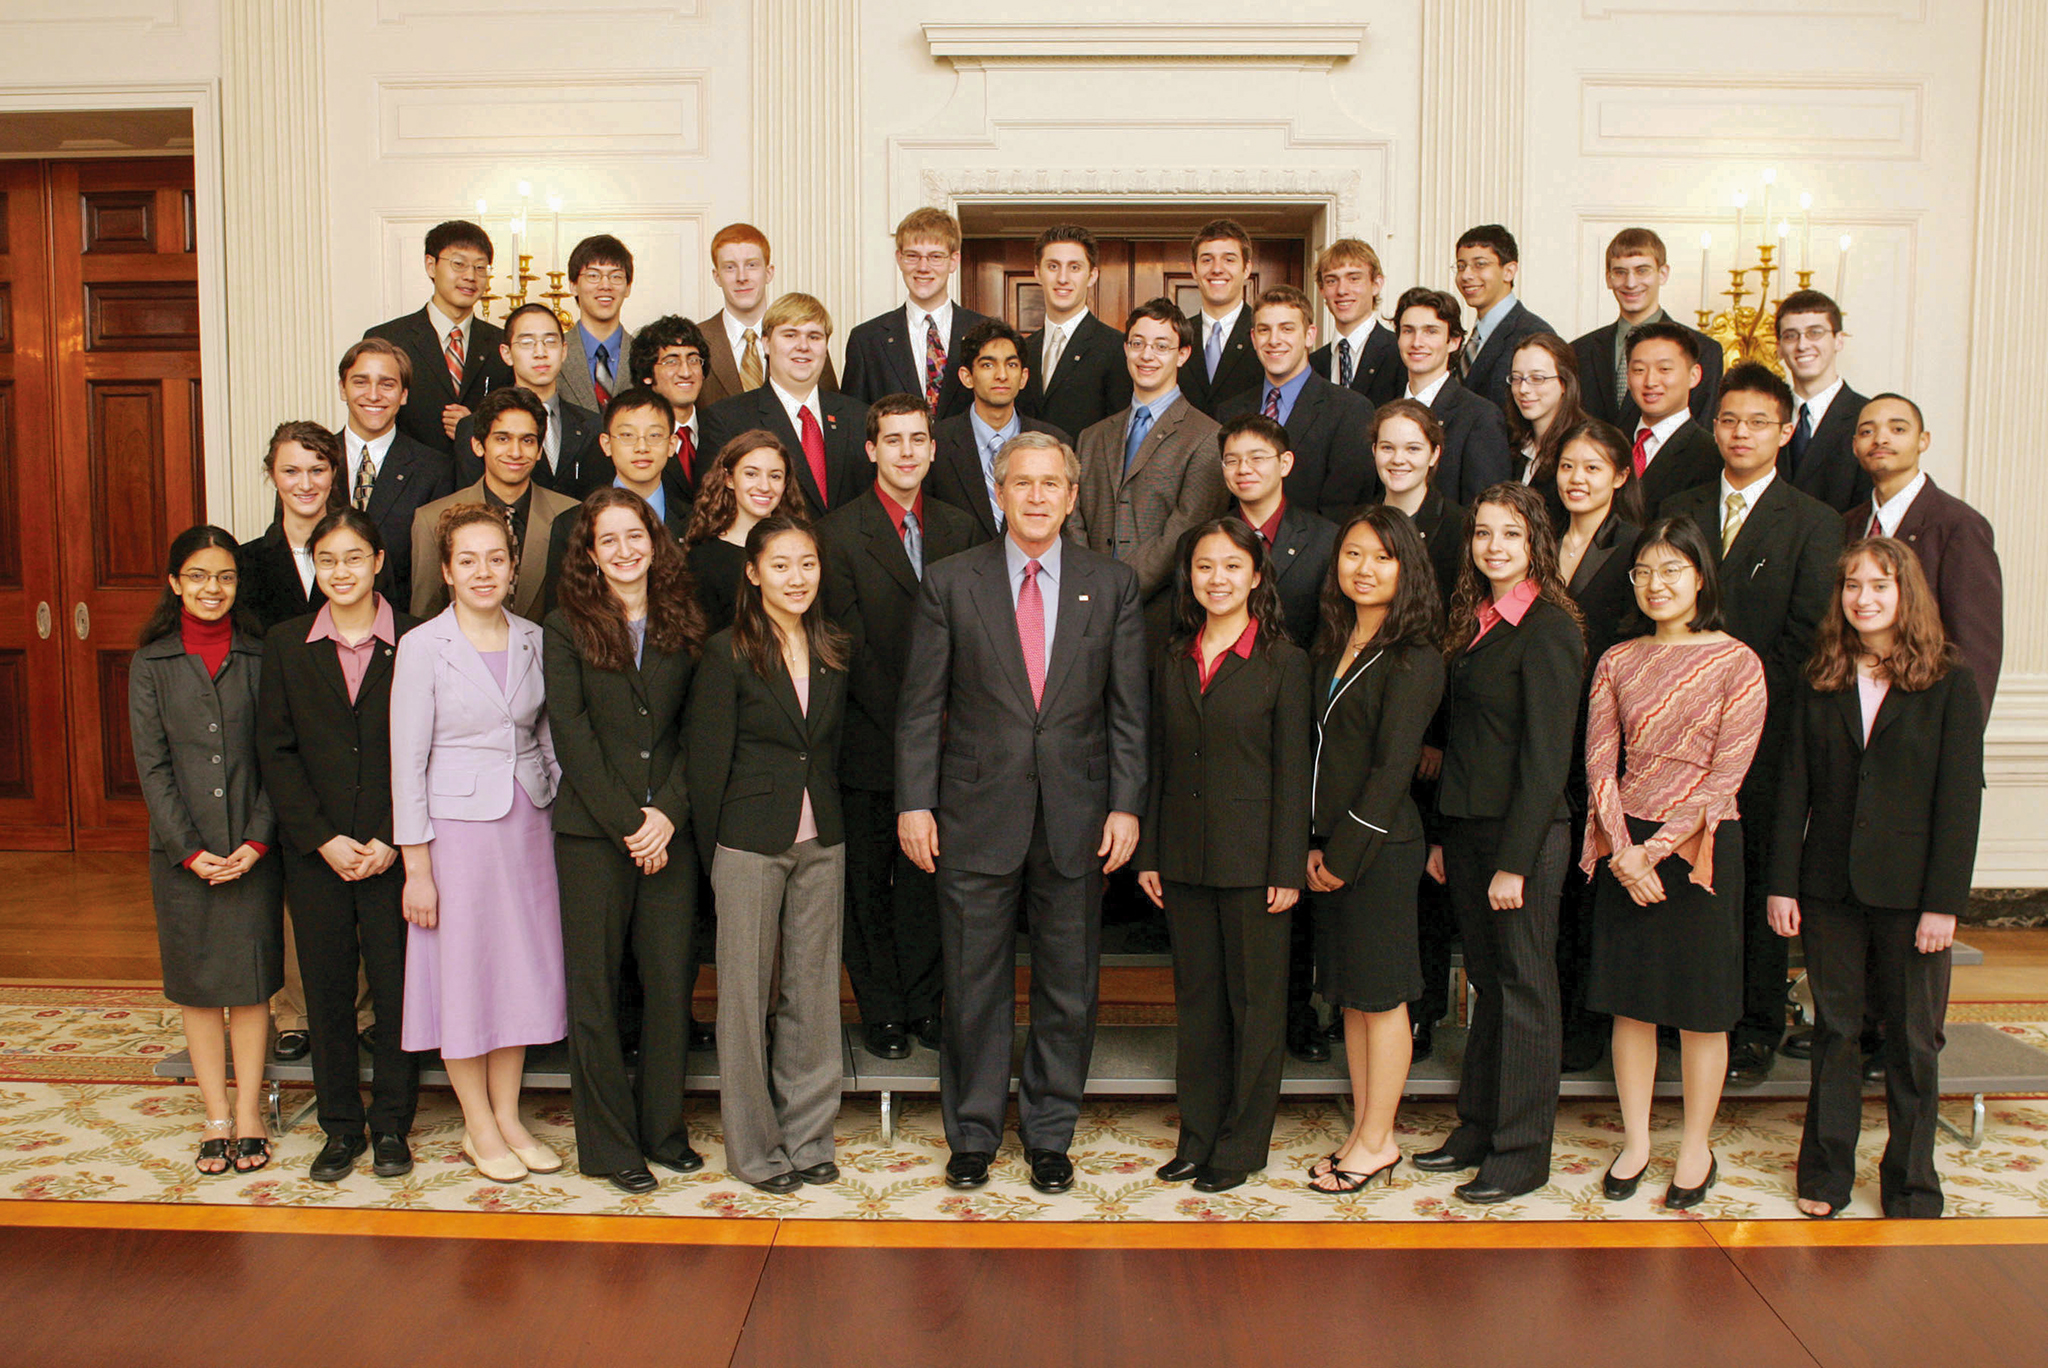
(1276, 41)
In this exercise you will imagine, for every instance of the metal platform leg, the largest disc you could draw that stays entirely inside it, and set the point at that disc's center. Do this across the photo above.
(273, 1100)
(1976, 1135)
(889, 1119)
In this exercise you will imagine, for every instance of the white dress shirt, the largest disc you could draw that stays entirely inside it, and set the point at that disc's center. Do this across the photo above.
(736, 334)
(1049, 355)
(443, 325)
(1228, 323)
(794, 406)
(1892, 512)
(1748, 496)
(1428, 393)
(1357, 337)
(1660, 433)
(943, 316)
(1816, 407)
(353, 445)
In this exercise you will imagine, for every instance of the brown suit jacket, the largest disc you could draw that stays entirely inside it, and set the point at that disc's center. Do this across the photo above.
(1954, 544)
(722, 376)
(1175, 482)
(430, 591)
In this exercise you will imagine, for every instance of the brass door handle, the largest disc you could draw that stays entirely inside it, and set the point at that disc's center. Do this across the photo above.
(43, 620)
(81, 621)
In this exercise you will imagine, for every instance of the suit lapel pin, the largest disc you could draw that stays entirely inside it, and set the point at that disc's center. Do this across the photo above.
(1082, 598)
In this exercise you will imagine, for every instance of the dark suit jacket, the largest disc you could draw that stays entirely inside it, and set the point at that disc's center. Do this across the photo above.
(871, 591)
(1954, 544)
(754, 752)
(677, 521)
(879, 361)
(575, 469)
(1828, 468)
(1081, 752)
(847, 468)
(270, 581)
(956, 468)
(1229, 805)
(1688, 460)
(326, 761)
(1369, 736)
(1092, 382)
(1446, 528)
(1477, 452)
(201, 794)
(1301, 552)
(722, 371)
(1236, 371)
(1376, 372)
(1509, 704)
(1891, 824)
(618, 737)
(1601, 588)
(1595, 351)
(431, 390)
(1331, 432)
(411, 477)
(1488, 376)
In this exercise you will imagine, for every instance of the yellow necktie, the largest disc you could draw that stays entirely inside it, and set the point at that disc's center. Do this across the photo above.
(750, 362)
(1731, 520)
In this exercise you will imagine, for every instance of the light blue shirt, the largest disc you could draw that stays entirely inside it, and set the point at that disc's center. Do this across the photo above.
(612, 344)
(658, 501)
(1158, 406)
(1483, 328)
(988, 441)
(1048, 582)
(1289, 392)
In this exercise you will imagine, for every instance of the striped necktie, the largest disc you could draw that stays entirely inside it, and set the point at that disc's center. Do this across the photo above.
(366, 479)
(452, 354)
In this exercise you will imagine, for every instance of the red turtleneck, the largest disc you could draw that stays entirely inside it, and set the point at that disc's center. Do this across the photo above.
(207, 640)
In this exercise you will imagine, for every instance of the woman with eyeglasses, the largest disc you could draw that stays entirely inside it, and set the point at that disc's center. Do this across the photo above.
(1543, 380)
(192, 706)
(1674, 722)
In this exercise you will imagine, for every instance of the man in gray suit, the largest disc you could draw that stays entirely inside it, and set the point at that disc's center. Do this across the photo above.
(1150, 473)
(1041, 644)
(595, 351)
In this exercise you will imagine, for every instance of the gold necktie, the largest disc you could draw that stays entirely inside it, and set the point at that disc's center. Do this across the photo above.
(750, 362)
(1731, 520)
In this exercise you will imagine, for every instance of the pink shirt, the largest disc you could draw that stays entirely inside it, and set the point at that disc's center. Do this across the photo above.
(1870, 696)
(1513, 605)
(807, 820)
(355, 660)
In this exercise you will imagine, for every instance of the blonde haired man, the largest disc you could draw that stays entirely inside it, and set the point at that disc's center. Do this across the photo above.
(825, 433)
(916, 349)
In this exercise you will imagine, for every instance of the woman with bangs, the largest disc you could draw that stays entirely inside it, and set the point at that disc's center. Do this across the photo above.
(750, 479)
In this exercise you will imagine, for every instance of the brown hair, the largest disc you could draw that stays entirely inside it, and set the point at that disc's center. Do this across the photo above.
(322, 443)
(1065, 232)
(1571, 408)
(1348, 252)
(1921, 651)
(1223, 230)
(756, 638)
(739, 235)
(897, 406)
(674, 619)
(376, 346)
(1807, 301)
(928, 225)
(1416, 412)
(718, 507)
(1636, 242)
(1527, 505)
(458, 516)
(1286, 297)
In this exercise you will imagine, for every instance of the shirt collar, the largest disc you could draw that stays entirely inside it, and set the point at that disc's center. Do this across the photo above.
(1427, 395)
(896, 510)
(658, 500)
(443, 325)
(1357, 337)
(380, 447)
(591, 342)
(1892, 511)
(1158, 406)
(984, 434)
(1270, 528)
(790, 404)
(382, 627)
(1484, 324)
(736, 333)
(1661, 430)
(1071, 326)
(1241, 648)
(1289, 392)
(1048, 564)
(1748, 496)
(943, 316)
(1623, 328)
(1817, 407)
(1228, 323)
(1513, 606)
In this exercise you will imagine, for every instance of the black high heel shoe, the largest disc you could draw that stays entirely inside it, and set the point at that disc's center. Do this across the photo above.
(1677, 1198)
(1621, 1189)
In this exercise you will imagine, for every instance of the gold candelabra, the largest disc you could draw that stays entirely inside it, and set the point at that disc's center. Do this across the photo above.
(1748, 332)
(555, 293)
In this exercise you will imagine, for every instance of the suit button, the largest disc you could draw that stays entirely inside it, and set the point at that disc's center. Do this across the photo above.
(801, 755)
(1863, 822)
(1031, 778)
(643, 755)
(219, 793)
(213, 726)
(355, 750)
(1198, 755)
(643, 712)
(216, 759)
(1038, 730)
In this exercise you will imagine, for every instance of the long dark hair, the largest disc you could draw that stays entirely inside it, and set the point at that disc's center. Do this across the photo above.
(1412, 618)
(1614, 449)
(1571, 406)
(1921, 651)
(187, 544)
(1190, 617)
(1683, 535)
(718, 506)
(756, 638)
(675, 621)
(1473, 589)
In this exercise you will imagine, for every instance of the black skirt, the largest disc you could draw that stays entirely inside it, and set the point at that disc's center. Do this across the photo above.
(1677, 962)
(1368, 951)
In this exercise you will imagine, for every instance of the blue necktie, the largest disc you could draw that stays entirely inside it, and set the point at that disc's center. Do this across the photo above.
(988, 476)
(913, 544)
(1141, 423)
(1344, 371)
(1212, 354)
(1802, 434)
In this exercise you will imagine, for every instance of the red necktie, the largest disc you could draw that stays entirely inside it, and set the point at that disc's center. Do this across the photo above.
(1642, 451)
(1876, 527)
(1272, 408)
(686, 451)
(934, 362)
(813, 438)
(452, 354)
(1031, 631)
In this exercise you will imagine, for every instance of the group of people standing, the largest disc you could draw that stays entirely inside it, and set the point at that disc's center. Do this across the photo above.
(1325, 671)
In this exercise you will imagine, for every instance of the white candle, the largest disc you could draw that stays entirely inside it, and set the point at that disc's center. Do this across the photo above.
(1806, 233)
(518, 227)
(1841, 270)
(1741, 202)
(1770, 179)
(1706, 280)
(555, 208)
(481, 209)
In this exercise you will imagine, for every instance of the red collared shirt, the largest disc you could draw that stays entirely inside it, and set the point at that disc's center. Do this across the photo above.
(1242, 649)
(1270, 529)
(355, 659)
(896, 510)
(1512, 607)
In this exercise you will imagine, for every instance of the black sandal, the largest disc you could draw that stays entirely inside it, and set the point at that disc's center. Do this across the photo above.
(1326, 1164)
(1349, 1181)
(255, 1147)
(213, 1151)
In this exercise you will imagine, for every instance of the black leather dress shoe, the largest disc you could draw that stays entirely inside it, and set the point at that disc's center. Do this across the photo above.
(887, 1040)
(967, 1169)
(819, 1175)
(929, 1030)
(1621, 1189)
(1424, 1036)
(689, 1161)
(633, 1181)
(1750, 1064)
(1582, 1050)
(1219, 1179)
(1051, 1171)
(1873, 1067)
(781, 1185)
(1677, 1198)
(1306, 1043)
(703, 1036)
(337, 1158)
(1482, 1193)
(1799, 1045)
(390, 1155)
(1442, 1159)
(292, 1045)
(1176, 1170)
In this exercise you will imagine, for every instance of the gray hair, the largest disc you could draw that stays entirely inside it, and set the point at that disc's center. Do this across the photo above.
(1036, 441)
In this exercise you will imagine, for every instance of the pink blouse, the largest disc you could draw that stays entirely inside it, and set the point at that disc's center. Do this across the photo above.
(1690, 718)
(807, 820)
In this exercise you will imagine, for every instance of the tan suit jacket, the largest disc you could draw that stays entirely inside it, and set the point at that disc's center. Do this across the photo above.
(430, 591)
(1175, 482)
(722, 376)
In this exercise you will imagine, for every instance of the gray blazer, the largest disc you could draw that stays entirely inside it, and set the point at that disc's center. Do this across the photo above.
(1174, 482)
(574, 381)
(195, 748)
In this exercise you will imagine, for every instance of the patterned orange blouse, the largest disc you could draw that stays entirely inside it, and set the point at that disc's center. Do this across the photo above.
(1689, 718)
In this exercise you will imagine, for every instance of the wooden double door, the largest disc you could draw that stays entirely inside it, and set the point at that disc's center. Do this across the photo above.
(996, 276)
(100, 466)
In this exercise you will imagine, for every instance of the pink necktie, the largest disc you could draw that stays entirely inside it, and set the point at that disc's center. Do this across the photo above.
(1876, 525)
(1031, 631)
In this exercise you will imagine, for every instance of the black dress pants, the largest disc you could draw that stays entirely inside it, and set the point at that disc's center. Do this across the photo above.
(340, 924)
(1230, 964)
(1856, 957)
(1766, 955)
(1507, 1095)
(891, 945)
(607, 905)
(1436, 930)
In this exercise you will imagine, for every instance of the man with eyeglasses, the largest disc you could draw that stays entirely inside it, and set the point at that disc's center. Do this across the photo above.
(569, 453)
(917, 349)
(1637, 271)
(1776, 549)
(671, 357)
(455, 357)
(594, 351)
(1329, 427)
(1821, 457)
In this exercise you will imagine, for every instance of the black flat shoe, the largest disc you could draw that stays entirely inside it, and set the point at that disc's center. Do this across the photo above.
(703, 1036)
(887, 1040)
(968, 1169)
(689, 1161)
(929, 1030)
(633, 1181)
(1749, 1065)
(1177, 1170)
(1308, 1045)
(1051, 1171)
(337, 1158)
(291, 1045)
(1219, 1179)
(1424, 1036)
(1621, 1189)
(1442, 1159)
(820, 1175)
(781, 1185)
(1677, 1198)
(1482, 1193)
(390, 1155)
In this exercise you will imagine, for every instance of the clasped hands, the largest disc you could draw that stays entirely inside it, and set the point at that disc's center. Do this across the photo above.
(220, 869)
(1636, 872)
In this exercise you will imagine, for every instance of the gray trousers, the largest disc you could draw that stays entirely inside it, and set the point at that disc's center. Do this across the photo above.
(779, 1065)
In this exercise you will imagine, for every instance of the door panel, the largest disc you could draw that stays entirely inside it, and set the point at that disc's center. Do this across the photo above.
(996, 276)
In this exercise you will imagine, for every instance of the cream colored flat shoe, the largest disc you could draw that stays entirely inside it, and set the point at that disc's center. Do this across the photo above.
(510, 1169)
(538, 1158)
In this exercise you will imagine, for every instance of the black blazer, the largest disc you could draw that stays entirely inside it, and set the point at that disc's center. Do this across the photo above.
(1228, 807)
(847, 469)
(1687, 461)
(879, 362)
(1331, 431)
(1601, 588)
(411, 477)
(1080, 752)
(1595, 351)
(1092, 382)
(754, 752)
(1369, 736)
(1376, 373)
(1301, 552)
(618, 736)
(1488, 376)
(676, 519)
(1446, 528)
(1477, 453)
(270, 581)
(1237, 370)
(1955, 547)
(431, 390)
(871, 591)
(1509, 707)
(1891, 824)
(1828, 468)
(575, 468)
(956, 468)
(717, 567)
(326, 761)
